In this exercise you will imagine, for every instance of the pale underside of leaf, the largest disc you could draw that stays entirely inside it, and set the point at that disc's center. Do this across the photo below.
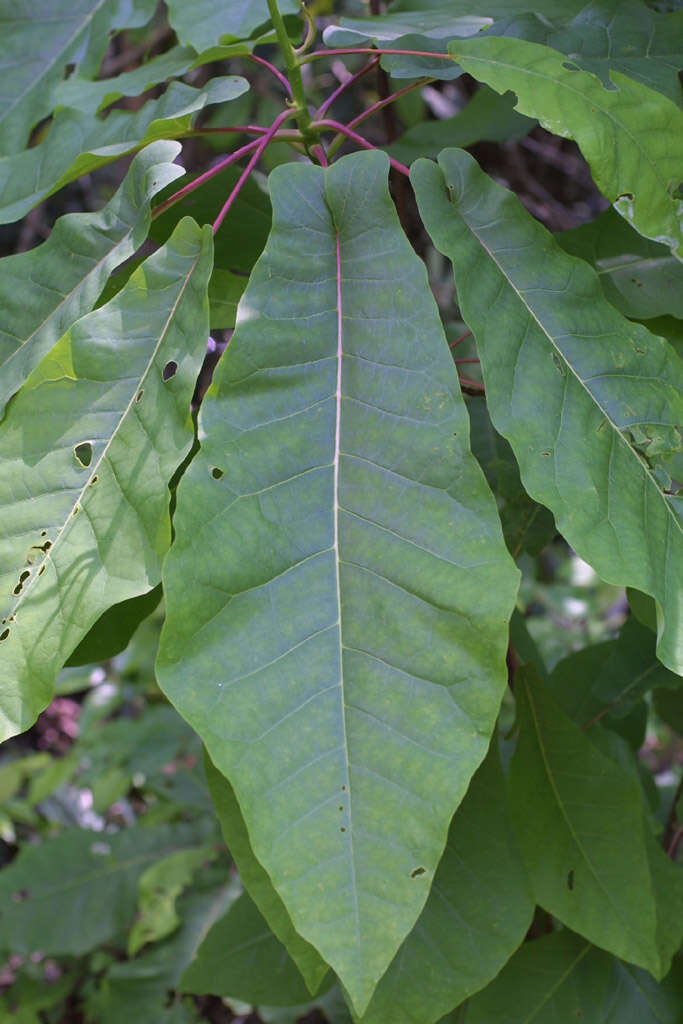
(607, 396)
(341, 554)
(88, 447)
(631, 136)
(43, 292)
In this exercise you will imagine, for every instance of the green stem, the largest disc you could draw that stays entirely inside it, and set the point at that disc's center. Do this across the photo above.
(303, 117)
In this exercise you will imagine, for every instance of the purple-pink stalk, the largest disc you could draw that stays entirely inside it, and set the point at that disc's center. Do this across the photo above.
(351, 80)
(284, 81)
(343, 51)
(256, 155)
(452, 344)
(337, 126)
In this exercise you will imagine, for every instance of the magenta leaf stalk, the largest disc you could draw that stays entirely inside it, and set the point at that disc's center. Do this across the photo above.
(343, 129)
(256, 155)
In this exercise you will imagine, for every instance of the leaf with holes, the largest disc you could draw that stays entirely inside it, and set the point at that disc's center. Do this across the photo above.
(43, 292)
(606, 395)
(338, 590)
(88, 447)
(631, 136)
(625, 36)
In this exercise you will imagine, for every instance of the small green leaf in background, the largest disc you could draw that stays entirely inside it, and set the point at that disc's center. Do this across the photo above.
(641, 278)
(159, 887)
(631, 136)
(72, 266)
(337, 548)
(580, 823)
(90, 444)
(606, 395)
(67, 895)
(561, 978)
(241, 957)
(138, 989)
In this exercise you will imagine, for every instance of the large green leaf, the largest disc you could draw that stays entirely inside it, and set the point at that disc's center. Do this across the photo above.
(561, 978)
(613, 35)
(241, 957)
(39, 40)
(88, 447)
(580, 822)
(68, 895)
(338, 589)
(606, 395)
(631, 136)
(43, 292)
(205, 23)
(77, 143)
(313, 969)
(641, 278)
(477, 913)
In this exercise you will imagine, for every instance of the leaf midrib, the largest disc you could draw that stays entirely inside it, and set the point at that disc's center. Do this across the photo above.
(337, 560)
(96, 465)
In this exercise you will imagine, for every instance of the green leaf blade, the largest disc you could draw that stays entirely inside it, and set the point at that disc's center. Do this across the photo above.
(259, 886)
(34, 57)
(72, 266)
(77, 143)
(337, 439)
(631, 136)
(476, 915)
(115, 392)
(580, 823)
(607, 395)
